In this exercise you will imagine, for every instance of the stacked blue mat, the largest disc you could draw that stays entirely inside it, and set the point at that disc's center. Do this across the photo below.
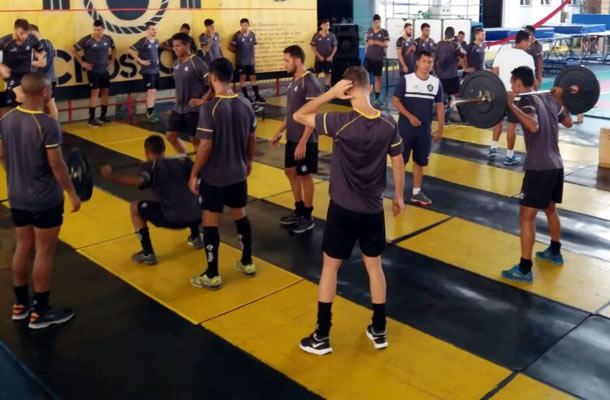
(571, 29)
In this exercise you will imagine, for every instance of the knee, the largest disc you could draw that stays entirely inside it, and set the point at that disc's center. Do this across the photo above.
(290, 173)
(133, 207)
(305, 179)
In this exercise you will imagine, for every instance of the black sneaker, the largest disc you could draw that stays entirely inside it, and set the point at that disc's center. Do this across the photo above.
(315, 345)
(21, 312)
(142, 258)
(105, 120)
(95, 123)
(260, 100)
(291, 219)
(49, 317)
(304, 225)
(380, 340)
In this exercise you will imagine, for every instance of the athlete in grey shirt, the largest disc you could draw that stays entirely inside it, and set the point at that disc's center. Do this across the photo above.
(210, 42)
(30, 152)
(242, 44)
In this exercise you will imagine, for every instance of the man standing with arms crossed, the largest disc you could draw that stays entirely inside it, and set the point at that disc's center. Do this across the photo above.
(377, 40)
(301, 158)
(406, 51)
(98, 65)
(363, 139)
(210, 42)
(506, 61)
(30, 152)
(324, 46)
(146, 52)
(48, 69)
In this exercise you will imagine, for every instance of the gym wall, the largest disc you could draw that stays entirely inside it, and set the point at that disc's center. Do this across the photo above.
(277, 23)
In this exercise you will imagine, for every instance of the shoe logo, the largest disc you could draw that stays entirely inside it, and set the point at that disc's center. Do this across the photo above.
(316, 345)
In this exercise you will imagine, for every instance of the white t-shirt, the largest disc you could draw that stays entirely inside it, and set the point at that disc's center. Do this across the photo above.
(509, 59)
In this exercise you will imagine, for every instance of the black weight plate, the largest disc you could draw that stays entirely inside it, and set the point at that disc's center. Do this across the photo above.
(79, 170)
(483, 115)
(585, 79)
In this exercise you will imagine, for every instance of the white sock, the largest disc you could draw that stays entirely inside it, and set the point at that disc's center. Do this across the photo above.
(494, 145)
(510, 153)
(416, 191)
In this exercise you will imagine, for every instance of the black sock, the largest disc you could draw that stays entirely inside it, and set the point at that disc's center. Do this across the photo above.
(144, 235)
(555, 248)
(91, 113)
(245, 91)
(299, 206)
(255, 88)
(195, 230)
(41, 302)
(379, 318)
(525, 266)
(307, 212)
(150, 110)
(22, 295)
(244, 230)
(324, 317)
(211, 240)
(104, 111)
(377, 95)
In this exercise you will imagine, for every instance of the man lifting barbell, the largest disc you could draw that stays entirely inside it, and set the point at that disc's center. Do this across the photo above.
(35, 189)
(539, 116)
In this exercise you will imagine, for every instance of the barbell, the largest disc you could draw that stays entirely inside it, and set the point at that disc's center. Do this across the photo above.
(483, 102)
(80, 173)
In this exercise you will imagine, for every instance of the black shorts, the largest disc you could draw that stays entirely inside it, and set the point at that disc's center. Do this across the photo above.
(451, 86)
(151, 211)
(47, 219)
(344, 227)
(245, 70)
(420, 146)
(151, 81)
(323, 66)
(304, 167)
(540, 188)
(215, 198)
(373, 66)
(53, 89)
(511, 117)
(186, 123)
(11, 83)
(98, 80)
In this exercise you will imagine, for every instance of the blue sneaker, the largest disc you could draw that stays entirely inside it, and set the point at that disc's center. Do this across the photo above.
(492, 153)
(550, 257)
(515, 274)
(514, 160)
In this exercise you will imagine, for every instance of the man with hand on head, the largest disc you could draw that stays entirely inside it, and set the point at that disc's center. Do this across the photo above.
(30, 152)
(210, 42)
(363, 139)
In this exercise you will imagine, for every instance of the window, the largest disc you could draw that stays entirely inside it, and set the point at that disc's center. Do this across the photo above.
(545, 2)
(526, 2)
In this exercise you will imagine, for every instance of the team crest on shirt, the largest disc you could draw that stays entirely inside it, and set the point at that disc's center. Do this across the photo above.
(119, 19)
(430, 88)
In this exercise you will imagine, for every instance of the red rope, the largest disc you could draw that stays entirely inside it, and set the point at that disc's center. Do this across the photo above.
(536, 25)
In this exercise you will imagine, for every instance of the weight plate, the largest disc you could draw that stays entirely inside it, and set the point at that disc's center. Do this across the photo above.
(483, 115)
(588, 93)
(82, 179)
